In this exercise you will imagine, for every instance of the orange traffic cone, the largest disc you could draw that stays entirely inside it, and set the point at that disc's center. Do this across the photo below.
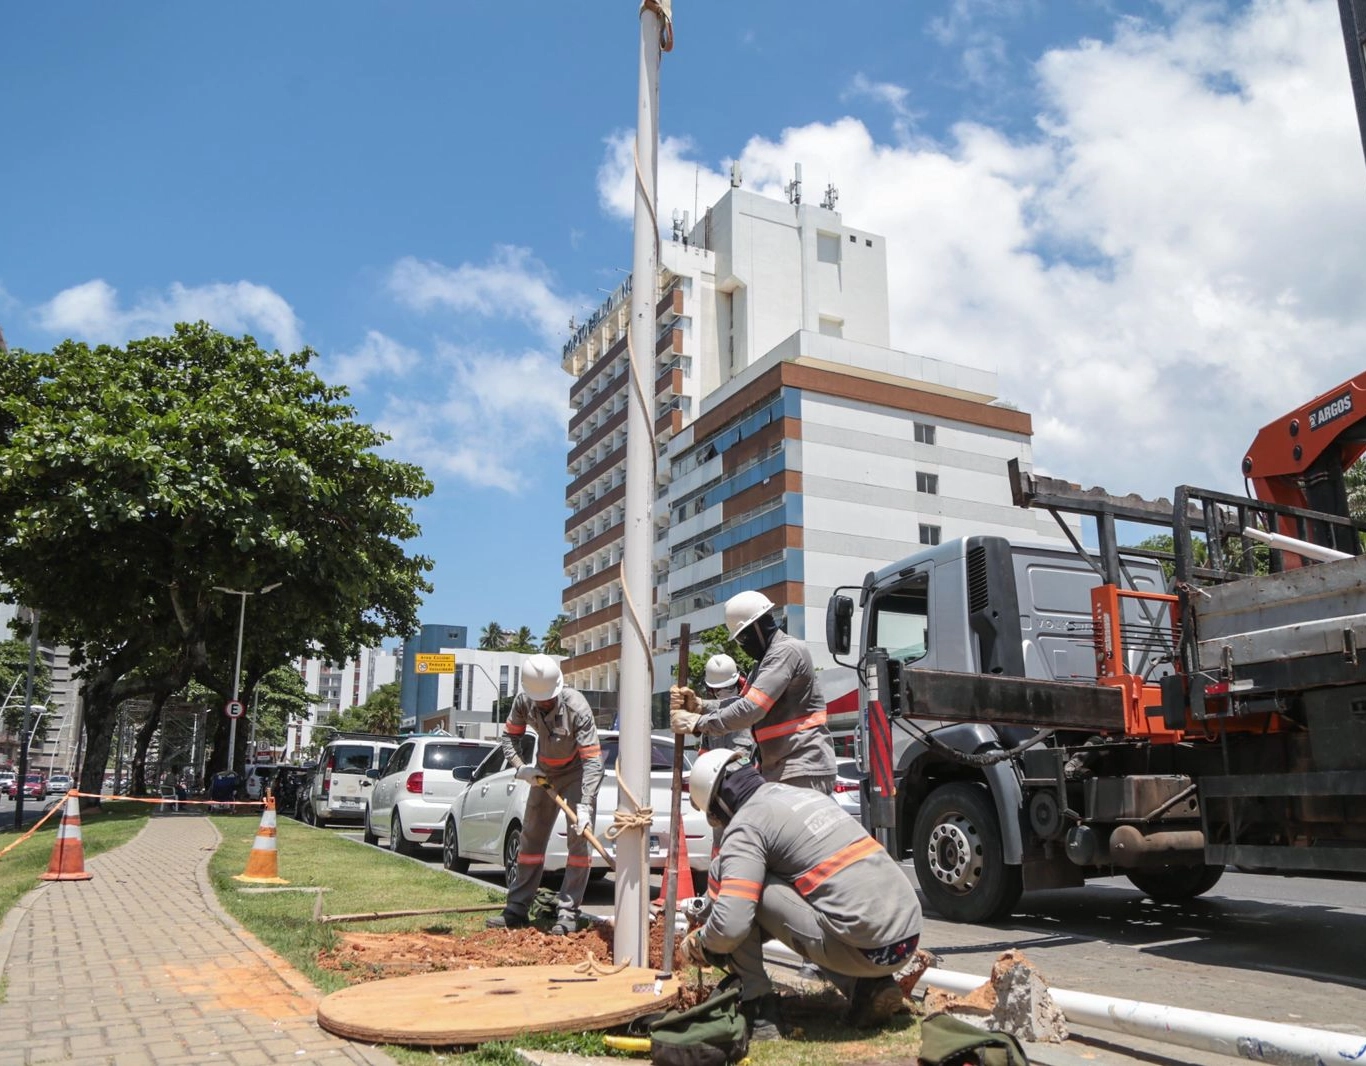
(685, 885)
(68, 854)
(262, 862)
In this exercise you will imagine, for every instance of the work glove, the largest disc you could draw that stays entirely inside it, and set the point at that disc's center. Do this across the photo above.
(693, 951)
(683, 722)
(683, 699)
(530, 774)
(585, 819)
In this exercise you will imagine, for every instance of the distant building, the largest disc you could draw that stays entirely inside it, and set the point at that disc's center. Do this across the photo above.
(796, 450)
(418, 693)
(340, 685)
(60, 723)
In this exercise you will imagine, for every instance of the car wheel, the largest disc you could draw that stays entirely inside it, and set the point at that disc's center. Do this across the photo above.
(1172, 884)
(959, 859)
(370, 836)
(450, 849)
(597, 873)
(512, 847)
(397, 842)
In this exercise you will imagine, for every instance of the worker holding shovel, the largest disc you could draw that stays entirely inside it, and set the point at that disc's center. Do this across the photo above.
(569, 759)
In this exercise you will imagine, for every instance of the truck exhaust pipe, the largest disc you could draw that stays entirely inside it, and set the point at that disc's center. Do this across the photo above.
(1128, 846)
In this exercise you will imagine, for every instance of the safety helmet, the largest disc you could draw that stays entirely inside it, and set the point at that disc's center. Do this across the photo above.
(541, 677)
(706, 774)
(744, 608)
(722, 672)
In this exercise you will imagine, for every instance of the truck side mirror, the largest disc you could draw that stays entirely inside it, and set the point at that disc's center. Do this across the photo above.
(839, 624)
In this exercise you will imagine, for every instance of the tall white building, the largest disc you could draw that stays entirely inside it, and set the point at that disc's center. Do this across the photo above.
(340, 685)
(796, 449)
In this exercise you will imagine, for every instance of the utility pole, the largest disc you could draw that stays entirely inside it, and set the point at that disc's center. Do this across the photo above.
(24, 738)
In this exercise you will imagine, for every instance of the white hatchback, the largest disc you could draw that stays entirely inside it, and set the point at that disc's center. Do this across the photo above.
(485, 823)
(415, 787)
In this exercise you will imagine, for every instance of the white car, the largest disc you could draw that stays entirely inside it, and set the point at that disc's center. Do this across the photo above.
(848, 790)
(485, 823)
(413, 792)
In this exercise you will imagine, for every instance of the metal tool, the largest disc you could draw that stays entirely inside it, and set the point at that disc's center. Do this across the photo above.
(675, 815)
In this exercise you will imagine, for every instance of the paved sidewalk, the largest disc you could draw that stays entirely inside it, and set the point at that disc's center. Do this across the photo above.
(140, 966)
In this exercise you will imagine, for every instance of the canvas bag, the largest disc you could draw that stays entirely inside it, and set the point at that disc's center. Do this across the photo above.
(712, 1033)
(949, 1041)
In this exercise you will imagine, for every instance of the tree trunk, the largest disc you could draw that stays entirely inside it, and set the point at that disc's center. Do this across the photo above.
(146, 732)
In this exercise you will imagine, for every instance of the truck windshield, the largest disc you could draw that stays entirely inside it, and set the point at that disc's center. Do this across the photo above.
(901, 620)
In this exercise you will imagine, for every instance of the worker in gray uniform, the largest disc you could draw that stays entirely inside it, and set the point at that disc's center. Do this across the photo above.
(793, 866)
(722, 678)
(569, 758)
(781, 703)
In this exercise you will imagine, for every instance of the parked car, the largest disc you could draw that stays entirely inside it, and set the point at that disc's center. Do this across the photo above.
(288, 783)
(259, 777)
(848, 788)
(35, 785)
(485, 821)
(60, 784)
(412, 796)
(338, 788)
(6, 779)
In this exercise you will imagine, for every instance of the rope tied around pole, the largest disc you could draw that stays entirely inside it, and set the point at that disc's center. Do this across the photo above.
(640, 818)
(664, 9)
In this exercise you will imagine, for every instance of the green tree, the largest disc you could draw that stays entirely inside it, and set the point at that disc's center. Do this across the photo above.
(493, 637)
(523, 640)
(378, 714)
(134, 482)
(552, 643)
(278, 700)
(14, 683)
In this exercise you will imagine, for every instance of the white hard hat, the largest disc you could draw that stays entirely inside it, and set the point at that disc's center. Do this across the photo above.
(706, 771)
(541, 677)
(744, 608)
(722, 672)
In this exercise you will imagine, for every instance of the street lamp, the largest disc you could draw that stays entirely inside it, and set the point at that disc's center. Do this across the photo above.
(237, 669)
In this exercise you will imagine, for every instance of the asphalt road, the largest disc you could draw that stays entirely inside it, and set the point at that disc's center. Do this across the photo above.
(1289, 950)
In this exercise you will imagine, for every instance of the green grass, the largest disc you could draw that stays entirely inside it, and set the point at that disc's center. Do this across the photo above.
(102, 828)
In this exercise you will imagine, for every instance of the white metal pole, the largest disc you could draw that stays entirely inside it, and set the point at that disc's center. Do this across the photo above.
(1223, 1034)
(631, 940)
(236, 680)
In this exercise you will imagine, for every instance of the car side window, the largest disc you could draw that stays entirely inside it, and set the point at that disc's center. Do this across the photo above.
(491, 765)
(398, 761)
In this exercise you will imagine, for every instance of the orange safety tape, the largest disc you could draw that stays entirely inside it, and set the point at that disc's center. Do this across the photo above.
(161, 799)
(60, 806)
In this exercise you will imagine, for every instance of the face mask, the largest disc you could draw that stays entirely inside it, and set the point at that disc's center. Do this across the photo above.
(751, 642)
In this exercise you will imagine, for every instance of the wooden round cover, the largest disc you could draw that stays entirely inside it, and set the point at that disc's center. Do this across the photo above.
(471, 1006)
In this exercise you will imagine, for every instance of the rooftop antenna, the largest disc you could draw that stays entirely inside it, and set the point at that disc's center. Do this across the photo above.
(794, 187)
(735, 174)
(832, 197)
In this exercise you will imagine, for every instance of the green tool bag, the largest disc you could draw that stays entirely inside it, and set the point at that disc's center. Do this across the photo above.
(712, 1033)
(949, 1041)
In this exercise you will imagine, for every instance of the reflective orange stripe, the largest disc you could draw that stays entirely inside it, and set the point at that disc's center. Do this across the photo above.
(762, 698)
(713, 887)
(592, 752)
(515, 730)
(731, 886)
(529, 859)
(546, 760)
(580, 860)
(796, 725)
(847, 856)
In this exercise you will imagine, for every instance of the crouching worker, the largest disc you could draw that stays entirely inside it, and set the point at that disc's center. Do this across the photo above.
(795, 867)
(569, 759)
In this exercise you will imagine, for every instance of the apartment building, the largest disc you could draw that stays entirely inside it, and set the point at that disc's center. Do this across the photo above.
(795, 449)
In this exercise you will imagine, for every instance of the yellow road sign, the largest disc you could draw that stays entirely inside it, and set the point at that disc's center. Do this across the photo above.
(428, 663)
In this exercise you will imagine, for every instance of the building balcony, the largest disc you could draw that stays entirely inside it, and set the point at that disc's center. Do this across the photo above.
(601, 433)
(595, 508)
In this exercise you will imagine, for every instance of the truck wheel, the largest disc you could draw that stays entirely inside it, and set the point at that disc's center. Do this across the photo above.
(956, 844)
(512, 847)
(1172, 884)
(370, 836)
(450, 849)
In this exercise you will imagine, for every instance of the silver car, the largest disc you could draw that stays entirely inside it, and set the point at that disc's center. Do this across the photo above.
(848, 788)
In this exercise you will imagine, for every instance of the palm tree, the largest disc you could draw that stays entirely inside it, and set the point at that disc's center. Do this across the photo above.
(551, 643)
(493, 638)
(523, 640)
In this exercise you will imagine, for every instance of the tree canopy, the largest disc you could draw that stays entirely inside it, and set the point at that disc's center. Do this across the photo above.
(139, 483)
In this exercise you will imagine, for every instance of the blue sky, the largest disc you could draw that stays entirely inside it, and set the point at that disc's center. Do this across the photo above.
(1146, 216)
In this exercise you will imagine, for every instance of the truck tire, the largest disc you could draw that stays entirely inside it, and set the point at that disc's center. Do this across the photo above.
(1172, 884)
(956, 845)
(450, 849)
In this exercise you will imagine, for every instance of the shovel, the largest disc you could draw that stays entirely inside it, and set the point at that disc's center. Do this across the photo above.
(570, 815)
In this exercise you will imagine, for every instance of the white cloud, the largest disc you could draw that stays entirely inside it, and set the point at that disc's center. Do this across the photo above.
(893, 97)
(91, 312)
(1171, 261)
(491, 417)
(514, 285)
(377, 356)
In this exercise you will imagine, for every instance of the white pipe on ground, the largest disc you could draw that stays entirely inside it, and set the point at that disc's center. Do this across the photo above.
(1222, 1034)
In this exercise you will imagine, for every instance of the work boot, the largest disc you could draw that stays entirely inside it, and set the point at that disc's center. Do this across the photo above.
(874, 1001)
(763, 1018)
(506, 920)
(563, 928)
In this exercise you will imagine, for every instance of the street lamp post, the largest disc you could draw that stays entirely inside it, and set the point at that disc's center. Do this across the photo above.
(237, 668)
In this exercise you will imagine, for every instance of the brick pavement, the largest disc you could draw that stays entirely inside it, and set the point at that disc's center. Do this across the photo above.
(141, 966)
